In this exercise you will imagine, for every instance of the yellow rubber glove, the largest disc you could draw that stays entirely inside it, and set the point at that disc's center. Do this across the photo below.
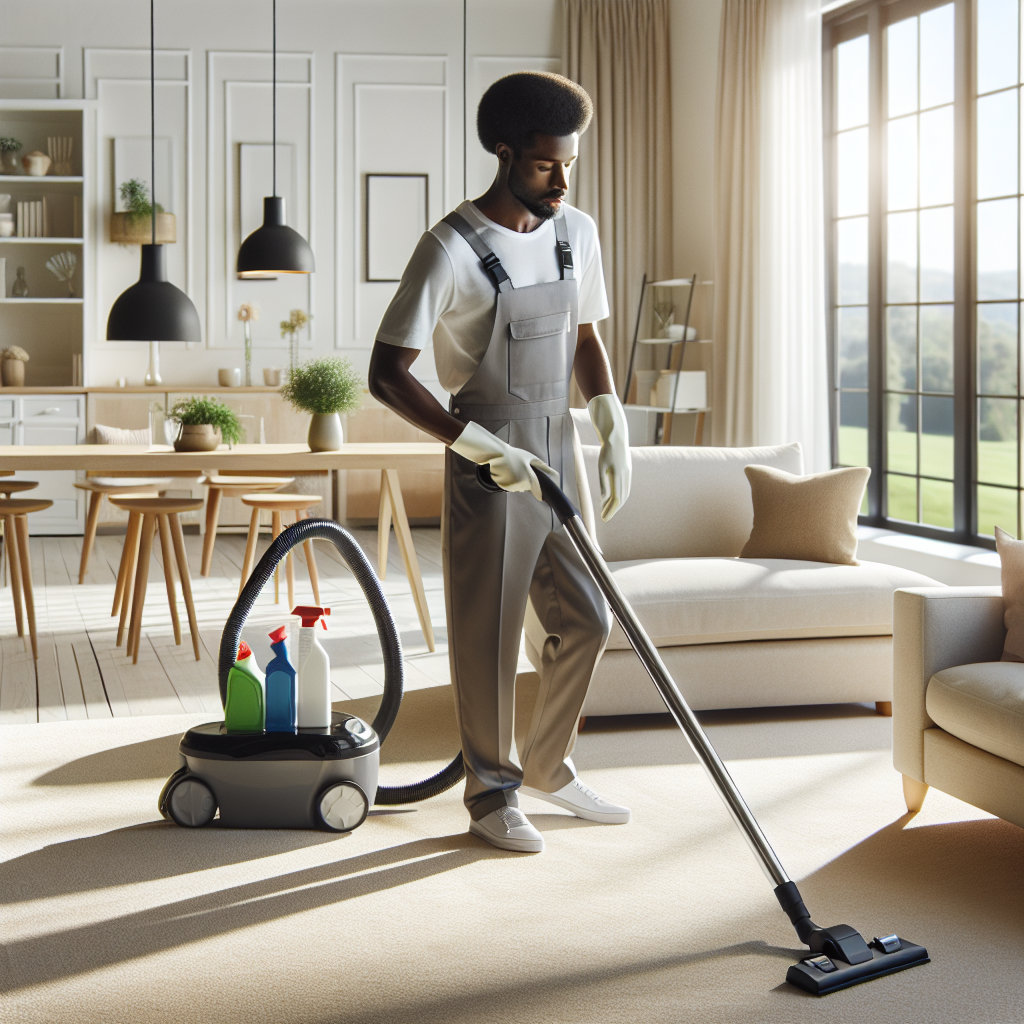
(614, 464)
(512, 469)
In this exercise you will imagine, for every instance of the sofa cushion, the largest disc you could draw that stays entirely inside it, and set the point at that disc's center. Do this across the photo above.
(981, 704)
(720, 600)
(685, 502)
(1011, 559)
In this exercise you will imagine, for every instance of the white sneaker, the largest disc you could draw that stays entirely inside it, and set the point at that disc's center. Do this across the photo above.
(508, 829)
(583, 802)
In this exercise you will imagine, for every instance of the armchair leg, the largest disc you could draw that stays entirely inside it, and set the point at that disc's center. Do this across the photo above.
(914, 793)
(884, 708)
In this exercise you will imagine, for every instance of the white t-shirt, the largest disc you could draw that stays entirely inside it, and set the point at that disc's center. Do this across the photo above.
(446, 295)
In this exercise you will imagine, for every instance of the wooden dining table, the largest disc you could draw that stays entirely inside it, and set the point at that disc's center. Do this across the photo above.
(163, 460)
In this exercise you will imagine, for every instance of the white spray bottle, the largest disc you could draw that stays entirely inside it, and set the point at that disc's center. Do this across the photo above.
(313, 671)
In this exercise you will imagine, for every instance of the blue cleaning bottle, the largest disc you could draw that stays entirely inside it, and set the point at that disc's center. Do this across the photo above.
(281, 687)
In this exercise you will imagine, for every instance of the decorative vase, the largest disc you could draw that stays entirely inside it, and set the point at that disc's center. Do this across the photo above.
(13, 374)
(197, 438)
(325, 432)
(248, 353)
(36, 164)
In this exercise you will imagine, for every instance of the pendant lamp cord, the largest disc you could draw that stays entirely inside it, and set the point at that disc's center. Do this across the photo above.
(274, 96)
(152, 121)
(465, 132)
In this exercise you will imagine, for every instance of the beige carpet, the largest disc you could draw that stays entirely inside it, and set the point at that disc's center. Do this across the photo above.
(109, 914)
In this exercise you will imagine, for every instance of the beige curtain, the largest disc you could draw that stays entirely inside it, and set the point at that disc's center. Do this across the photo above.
(770, 380)
(618, 50)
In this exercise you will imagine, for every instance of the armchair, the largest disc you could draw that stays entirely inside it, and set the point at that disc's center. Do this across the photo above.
(958, 711)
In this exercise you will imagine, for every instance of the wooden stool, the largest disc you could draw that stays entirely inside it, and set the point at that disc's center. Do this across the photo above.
(14, 512)
(7, 488)
(98, 486)
(276, 504)
(221, 484)
(147, 515)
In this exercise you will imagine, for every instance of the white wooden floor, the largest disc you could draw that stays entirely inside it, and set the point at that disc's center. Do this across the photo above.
(81, 674)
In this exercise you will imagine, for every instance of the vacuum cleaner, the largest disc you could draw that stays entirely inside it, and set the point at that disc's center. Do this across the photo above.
(323, 778)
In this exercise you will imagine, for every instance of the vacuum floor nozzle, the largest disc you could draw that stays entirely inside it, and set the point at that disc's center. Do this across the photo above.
(821, 974)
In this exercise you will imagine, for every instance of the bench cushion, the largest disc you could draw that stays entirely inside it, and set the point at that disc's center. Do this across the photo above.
(981, 704)
(721, 600)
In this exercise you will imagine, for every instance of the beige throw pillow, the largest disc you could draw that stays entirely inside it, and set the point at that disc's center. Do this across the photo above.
(1011, 558)
(118, 435)
(813, 518)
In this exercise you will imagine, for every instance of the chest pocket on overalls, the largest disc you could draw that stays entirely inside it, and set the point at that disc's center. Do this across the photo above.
(537, 357)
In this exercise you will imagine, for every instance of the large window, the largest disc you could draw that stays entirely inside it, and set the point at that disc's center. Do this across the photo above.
(923, 111)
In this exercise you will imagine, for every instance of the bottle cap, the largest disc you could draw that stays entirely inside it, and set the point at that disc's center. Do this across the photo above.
(311, 614)
(278, 635)
(244, 651)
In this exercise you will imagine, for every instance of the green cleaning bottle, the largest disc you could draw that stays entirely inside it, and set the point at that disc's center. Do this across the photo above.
(245, 708)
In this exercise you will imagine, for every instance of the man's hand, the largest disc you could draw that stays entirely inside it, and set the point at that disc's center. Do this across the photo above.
(614, 464)
(512, 469)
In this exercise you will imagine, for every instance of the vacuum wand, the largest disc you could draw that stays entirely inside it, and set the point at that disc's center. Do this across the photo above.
(677, 706)
(843, 957)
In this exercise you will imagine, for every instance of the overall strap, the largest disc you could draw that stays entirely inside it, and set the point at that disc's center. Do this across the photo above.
(564, 249)
(491, 262)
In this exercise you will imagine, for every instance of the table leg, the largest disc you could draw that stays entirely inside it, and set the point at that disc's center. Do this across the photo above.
(250, 548)
(168, 560)
(186, 582)
(141, 582)
(95, 500)
(698, 433)
(212, 518)
(412, 566)
(314, 576)
(383, 526)
(11, 544)
(21, 525)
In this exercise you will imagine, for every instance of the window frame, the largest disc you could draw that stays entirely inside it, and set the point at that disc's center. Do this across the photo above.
(871, 18)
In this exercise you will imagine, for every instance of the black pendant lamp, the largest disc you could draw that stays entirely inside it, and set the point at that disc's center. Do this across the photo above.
(153, 309)
(274, 248)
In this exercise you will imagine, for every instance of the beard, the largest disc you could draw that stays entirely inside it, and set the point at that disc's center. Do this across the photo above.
(533, 201)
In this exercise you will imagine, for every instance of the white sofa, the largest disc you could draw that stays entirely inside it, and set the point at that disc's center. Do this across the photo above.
(733, 632)
(958, 711)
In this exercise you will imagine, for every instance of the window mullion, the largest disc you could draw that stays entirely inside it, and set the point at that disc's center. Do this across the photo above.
(964, 427)
(876, 249)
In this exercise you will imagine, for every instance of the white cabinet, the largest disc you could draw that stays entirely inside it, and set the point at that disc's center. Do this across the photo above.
(48, 419)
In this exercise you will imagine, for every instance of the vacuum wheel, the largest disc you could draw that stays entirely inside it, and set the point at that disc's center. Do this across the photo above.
(190, 802)
(341, 807)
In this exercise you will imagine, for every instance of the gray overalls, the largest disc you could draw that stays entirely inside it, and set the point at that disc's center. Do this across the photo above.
(500, 547)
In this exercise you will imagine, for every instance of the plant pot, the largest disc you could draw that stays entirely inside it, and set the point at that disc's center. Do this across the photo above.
(13, 373)
(325, 432)
(9, 163)
(128, 230)
(197, 438)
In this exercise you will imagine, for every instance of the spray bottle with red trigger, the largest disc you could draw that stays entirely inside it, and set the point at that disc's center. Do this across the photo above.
(314, 671)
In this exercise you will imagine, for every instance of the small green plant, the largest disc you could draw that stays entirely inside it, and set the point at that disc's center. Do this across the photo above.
(195, 411)
(324, 386)
(9, 144)
(135, 196)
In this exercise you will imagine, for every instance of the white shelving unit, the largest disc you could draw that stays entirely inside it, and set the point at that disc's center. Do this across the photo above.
(48, 324)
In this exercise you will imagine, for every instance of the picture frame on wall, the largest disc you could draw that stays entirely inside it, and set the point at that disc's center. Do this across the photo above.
(396, 214)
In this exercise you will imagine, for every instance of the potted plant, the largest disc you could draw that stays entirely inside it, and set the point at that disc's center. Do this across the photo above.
(204, 423)
(12, 366)
(134, 226)
(9, 148)
(325, 388)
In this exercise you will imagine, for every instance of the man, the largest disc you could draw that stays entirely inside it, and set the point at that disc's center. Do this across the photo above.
(509, 288)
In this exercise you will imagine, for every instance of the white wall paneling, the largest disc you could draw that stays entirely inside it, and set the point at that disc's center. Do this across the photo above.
(239, 111)
(393, 117)
(119, 81)
(32, 72)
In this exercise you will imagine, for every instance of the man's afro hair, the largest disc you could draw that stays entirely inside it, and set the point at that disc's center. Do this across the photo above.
(521, 105)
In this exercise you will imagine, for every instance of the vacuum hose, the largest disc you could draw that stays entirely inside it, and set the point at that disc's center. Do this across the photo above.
(391, 645)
